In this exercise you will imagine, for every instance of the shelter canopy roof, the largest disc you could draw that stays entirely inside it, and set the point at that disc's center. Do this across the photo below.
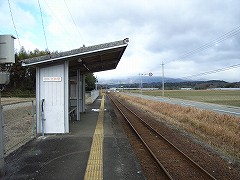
(89, 59)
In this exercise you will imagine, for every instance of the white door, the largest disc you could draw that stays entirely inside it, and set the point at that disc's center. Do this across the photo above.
(52, 89)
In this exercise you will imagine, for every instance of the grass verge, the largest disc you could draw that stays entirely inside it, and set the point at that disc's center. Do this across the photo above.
(220, 131)
(231, 98)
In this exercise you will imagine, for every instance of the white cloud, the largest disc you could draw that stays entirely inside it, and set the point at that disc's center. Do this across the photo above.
(158, 31)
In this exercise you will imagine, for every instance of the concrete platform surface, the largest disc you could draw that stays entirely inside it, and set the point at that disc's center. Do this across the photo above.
(65, 156)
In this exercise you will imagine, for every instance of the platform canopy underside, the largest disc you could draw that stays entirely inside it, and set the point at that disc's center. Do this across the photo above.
(90, 59)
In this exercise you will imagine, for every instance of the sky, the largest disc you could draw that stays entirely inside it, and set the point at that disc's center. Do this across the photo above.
(159, 32)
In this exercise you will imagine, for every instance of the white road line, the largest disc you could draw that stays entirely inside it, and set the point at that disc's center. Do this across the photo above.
(187, 104)
(200, 105)
(226, 111)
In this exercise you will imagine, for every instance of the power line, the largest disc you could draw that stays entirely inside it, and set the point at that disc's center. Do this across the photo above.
(44, 33)
(213, 71)
(55, 16)
(73, 20)
(10, 9)
(212, 43)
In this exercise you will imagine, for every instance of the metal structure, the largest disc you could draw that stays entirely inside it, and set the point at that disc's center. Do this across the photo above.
(166, 153)
(62, 75)
(7, 57)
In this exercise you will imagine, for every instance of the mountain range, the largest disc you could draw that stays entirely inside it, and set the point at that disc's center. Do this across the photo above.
(137, 79)
(170, 83)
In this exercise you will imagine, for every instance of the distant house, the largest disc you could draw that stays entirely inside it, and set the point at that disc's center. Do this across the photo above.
(186, 88)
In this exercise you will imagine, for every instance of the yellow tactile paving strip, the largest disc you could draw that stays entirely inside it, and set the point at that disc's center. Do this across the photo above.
(94, 168)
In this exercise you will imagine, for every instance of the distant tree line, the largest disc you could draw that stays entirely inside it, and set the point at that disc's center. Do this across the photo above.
(23, 79)
(197, 85)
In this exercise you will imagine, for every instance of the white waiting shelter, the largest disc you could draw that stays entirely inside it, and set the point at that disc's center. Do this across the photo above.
(60, 82)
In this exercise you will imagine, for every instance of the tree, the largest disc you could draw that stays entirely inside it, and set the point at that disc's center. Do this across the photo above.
(90, 82)
(17, 72)
(23, 78)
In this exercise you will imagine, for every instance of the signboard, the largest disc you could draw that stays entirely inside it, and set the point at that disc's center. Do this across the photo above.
(52, 79)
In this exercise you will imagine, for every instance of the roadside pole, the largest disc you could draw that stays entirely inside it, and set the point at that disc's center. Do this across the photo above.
(2, 169)
(141, 84)
(162, 79)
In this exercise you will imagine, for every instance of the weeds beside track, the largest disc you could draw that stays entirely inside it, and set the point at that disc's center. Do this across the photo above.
(220, 131)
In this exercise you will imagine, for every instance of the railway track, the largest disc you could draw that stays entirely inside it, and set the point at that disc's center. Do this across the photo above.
(172, 161)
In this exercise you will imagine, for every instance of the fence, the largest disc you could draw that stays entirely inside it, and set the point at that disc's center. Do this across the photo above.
(19, 124)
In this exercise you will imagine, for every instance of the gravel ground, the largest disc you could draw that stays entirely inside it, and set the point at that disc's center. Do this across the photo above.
(213, 161)
(17, 122)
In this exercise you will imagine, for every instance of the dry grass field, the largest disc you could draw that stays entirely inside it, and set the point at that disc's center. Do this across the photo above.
(231, 98)
(220, 131)
(17, 123)
(18, 127)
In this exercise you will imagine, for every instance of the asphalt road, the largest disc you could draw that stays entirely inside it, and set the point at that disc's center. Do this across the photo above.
(231, 110)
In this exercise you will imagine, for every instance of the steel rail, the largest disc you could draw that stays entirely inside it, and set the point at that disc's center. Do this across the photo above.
(148, 148)
(165, 139)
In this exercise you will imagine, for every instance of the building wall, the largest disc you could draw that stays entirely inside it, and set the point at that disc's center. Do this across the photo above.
(54, 91)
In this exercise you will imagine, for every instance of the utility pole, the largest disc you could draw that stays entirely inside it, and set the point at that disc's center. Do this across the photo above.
(2, 168)
(162, 79)
(141, 83)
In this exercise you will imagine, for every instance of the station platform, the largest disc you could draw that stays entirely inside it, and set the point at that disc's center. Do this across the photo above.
(95, 148)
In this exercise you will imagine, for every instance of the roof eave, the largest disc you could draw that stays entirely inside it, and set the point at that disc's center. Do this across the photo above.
(73, 55)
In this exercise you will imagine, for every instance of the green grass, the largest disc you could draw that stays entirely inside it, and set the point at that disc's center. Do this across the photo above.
(231, 98)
